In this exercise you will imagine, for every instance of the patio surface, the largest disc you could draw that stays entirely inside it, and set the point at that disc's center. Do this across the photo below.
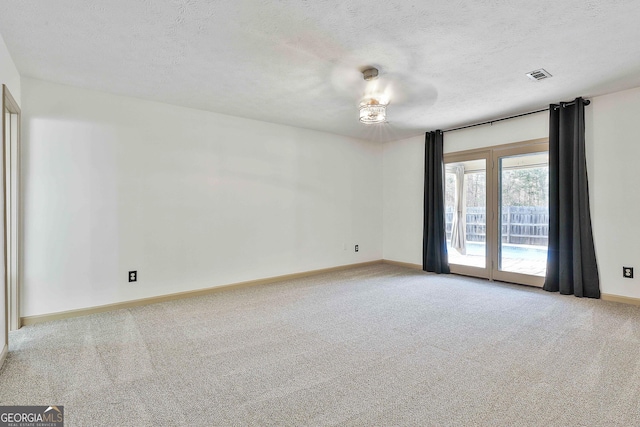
(535, 267)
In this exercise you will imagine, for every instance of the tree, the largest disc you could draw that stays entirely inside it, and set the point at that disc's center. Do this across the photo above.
(525, 187)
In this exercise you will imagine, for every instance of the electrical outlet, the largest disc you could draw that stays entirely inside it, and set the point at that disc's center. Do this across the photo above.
(356, 248)
(133, 276)
(627, 272)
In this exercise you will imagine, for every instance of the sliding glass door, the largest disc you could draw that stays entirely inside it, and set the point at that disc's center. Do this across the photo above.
(497, 212)
(522, 187)
(466, 201)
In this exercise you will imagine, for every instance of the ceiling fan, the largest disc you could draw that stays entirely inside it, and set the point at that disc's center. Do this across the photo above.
(388, 94)
(373, 106)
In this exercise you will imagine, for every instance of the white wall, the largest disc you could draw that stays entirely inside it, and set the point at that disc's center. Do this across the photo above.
(403, 198)
(519, 129)
(613, 149)
(614, 176)
(190, 199)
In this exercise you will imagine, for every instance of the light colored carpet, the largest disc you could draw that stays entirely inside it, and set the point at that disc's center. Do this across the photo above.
(371, 346)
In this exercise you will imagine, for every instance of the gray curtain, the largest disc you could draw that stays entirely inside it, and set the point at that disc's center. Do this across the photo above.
(571, 262)
(434, 244)
(459, 226)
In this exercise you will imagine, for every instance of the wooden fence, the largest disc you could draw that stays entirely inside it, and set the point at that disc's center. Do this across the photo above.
(523, 225)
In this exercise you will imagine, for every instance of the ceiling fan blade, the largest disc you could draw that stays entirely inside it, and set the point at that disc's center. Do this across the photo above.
(347, 81)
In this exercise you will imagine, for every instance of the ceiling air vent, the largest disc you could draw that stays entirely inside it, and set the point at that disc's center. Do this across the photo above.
(539, 74)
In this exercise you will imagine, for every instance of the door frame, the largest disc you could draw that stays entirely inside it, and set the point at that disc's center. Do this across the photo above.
(492, 154)
(12, 235)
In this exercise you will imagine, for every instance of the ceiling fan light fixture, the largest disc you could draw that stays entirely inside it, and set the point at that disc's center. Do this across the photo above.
(372, 112)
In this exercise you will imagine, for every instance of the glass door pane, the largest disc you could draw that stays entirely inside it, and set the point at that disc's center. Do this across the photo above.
(523, 213)
(466, 212)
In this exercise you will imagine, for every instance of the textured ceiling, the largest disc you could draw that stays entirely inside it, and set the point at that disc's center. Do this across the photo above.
(295, 62)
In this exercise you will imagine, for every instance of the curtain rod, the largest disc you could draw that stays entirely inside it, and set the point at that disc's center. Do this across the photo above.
(490, 122)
